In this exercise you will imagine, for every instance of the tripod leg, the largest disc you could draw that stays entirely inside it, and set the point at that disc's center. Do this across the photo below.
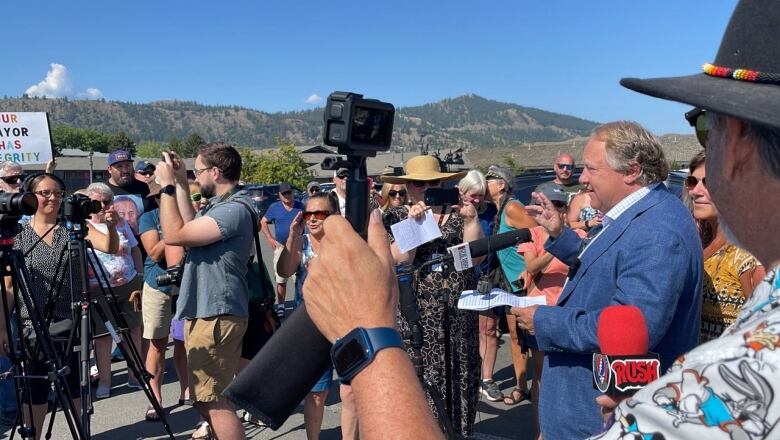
(134, 367)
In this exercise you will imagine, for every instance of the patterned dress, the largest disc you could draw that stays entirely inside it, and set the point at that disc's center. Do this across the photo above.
(464, 366)
(723, 297)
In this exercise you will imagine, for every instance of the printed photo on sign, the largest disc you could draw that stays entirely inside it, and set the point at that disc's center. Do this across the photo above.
(25, 137)
(130, 208)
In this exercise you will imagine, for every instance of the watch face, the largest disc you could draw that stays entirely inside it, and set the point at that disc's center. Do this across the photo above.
(350, 355)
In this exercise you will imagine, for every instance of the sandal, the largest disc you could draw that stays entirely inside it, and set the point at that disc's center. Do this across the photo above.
(202, 431)
(151, 414)
(512, 398)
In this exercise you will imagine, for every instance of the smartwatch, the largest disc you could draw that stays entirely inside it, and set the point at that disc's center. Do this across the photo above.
(358, 348)
(169, 189)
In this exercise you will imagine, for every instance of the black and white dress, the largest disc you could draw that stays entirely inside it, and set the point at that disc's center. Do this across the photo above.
(464, 365)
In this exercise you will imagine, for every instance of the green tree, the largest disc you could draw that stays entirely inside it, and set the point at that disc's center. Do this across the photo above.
(176, 145)
(191, 145)
(151, 149)
(121, 141)
(283, 164)
(80, 138)
(513, 165)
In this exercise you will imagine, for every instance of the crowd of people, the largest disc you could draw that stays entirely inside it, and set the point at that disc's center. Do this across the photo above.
(702, 270)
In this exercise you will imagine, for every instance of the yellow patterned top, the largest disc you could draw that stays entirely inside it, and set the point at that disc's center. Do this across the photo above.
(722, 296)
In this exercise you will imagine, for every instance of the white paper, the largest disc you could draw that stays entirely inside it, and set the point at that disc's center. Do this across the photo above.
(473, 300)
(411, 233)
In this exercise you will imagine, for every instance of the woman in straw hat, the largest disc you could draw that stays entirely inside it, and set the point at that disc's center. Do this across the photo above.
(458, 225)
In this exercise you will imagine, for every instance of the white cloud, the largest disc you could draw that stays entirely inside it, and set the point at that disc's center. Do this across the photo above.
(58, 84)
(314, 99)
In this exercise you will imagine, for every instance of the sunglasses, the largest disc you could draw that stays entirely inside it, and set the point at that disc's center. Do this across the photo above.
(699, 121)
(11, 179)
(566, 166)
(692, 181)
(195, 197)
(108, 202)
(314, 191)
(423, 183)
(286, 193)
(342, 175)
(146, 173)
(319, 215)
(393, 193)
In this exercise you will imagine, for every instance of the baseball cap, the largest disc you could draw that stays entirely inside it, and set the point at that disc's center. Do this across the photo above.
(142, 165)
(311, 185)
(555, 194)
(340, 171)
(284, 186)
(117, 156)
(497, 172)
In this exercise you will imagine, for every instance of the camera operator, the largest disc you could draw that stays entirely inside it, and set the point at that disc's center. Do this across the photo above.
(123, 269)
(213, 298)
(42, 260)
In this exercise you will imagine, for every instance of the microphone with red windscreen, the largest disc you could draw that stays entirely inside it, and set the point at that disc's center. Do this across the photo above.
(624, 365)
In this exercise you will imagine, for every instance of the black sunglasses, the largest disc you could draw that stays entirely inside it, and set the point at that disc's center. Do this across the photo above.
(566, 166)
(393, 193)
(692, 181)
(11, 179)
(699, 121)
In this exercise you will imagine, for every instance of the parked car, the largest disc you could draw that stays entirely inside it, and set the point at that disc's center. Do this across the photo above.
(263, 195)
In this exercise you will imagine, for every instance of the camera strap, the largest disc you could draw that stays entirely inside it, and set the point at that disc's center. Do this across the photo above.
(258, 250)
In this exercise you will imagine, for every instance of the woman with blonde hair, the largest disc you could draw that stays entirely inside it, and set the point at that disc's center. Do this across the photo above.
(393, 195)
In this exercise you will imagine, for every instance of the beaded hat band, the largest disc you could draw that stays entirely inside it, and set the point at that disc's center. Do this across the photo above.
(741, 74)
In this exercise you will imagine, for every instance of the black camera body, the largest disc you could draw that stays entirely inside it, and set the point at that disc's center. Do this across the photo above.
(358, 126)
(172, 276)
(77, 208)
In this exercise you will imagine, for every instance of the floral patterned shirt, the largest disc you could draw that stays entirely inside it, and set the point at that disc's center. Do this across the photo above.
(724, 389)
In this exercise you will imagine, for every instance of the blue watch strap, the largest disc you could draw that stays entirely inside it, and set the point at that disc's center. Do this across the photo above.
(372, 340)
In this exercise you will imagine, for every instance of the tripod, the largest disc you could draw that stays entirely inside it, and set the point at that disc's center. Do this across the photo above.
(12, 264)
(77, 253)
(411, 313)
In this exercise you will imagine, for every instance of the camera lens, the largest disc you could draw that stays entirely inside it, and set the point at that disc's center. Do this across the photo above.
(18, 203)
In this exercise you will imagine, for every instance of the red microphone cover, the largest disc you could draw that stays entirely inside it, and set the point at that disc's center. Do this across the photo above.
(622, 331)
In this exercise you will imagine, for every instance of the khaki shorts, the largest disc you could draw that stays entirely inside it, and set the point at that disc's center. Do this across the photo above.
(278, 253)
(213, 350)
(123, 305)
(156, 312)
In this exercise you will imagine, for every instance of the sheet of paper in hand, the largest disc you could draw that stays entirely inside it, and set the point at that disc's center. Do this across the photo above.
(411, 233)
(473, 300)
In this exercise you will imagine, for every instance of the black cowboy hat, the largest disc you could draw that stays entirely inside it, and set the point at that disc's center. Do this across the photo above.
(751, 43)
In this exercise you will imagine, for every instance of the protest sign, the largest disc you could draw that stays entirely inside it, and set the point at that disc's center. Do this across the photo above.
(25, 137)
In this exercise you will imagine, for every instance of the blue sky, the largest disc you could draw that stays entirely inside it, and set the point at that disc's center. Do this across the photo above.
(564, 56)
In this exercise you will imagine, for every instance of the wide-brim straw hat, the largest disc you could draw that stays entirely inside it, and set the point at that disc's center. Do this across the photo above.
(744, 79)
(423, 168)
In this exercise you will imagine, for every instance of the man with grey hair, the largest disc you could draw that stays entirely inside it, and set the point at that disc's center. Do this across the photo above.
(11, 174)
(728, 386)
(646, 253)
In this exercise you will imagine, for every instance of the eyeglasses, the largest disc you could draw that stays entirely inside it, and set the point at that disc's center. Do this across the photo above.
(566, 166)
(199, 172)
(692, 181)
(195, 197)
(108, 202)
(393, 193)
(11, 179)
(422, 183)
(49, 193)
(701, 123)
(319, 215)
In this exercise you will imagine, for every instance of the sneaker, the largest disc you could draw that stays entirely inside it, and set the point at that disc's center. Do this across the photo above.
(490, 391)
(134, 384)
(103, 392)
(280, 311)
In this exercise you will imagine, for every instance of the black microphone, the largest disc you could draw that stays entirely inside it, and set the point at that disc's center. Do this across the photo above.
(484, 246)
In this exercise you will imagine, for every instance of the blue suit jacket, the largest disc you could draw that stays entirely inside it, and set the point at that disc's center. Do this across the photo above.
(651, 257)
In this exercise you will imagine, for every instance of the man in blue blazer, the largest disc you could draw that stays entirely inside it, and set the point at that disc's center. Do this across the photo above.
(646, 252)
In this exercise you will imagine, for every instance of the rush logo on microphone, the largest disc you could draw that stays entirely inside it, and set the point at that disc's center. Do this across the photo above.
(620, 375)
